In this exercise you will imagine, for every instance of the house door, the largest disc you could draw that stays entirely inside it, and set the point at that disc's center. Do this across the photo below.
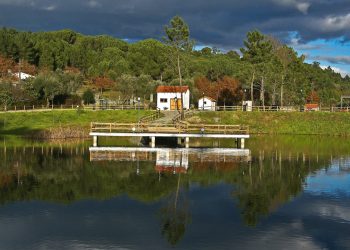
(174, 105)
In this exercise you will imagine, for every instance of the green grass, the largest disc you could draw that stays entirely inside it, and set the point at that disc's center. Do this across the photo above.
(301, 123)
(21, 123)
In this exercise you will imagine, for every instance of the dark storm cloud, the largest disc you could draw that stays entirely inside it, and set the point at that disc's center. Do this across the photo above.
(221, 23)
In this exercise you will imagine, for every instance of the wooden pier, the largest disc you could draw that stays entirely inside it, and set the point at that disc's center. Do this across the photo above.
(181, 130)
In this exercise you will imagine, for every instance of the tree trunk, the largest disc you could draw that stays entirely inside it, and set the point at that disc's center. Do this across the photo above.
(282, 85)
(262, 92)
(180, 79)
(274, 93)
(252, 88)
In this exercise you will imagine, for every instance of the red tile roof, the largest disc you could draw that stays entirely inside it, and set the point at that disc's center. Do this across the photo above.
(311, 106)
(172, 89)
(208, 97)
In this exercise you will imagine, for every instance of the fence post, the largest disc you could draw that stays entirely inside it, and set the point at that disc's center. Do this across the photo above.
(24, 107)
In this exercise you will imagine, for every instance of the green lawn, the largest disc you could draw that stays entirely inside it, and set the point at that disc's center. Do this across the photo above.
(23, 122)
(302, 123)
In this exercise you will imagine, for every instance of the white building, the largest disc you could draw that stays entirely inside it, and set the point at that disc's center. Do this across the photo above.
(206, 103)
(169, 97)
(247, 105)
(20, 75)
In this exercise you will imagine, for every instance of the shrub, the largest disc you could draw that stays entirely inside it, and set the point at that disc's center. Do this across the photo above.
(88, 97)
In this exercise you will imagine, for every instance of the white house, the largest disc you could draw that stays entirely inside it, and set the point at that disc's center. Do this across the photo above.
(23, 76)
(169, 97)
(206, 103)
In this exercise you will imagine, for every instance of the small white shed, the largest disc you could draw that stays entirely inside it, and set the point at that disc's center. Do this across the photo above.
(23, 76)
(169, 97)
(207, 103)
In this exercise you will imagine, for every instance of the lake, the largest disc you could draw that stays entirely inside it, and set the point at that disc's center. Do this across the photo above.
(290, 192)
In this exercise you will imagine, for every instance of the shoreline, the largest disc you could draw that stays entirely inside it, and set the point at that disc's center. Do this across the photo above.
(54, 125)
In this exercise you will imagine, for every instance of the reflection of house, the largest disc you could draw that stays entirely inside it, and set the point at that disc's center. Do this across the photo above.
(172, 161)
(169, 97)
(207, 103)
(312, 107)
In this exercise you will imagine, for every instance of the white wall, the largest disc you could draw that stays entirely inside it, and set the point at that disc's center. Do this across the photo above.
(24, 76)
(168, 96)
(249, 105)
(209, 104)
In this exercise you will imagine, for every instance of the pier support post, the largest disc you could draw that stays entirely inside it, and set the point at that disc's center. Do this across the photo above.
(179, 141)
(153, 141)
(95, 141)
(187, 142)
(242, 143)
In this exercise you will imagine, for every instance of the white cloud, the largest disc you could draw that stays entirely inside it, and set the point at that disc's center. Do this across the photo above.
(50, 8)
(302, 6)
(93, 4)
(336, 69)
(335, 23)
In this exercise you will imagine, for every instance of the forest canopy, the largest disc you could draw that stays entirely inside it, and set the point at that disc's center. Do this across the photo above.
(265, 70)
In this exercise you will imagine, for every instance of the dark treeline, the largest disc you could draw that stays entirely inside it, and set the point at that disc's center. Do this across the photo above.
(268, 71)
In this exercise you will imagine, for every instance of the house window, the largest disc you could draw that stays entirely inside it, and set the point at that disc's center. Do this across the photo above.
(163, 100)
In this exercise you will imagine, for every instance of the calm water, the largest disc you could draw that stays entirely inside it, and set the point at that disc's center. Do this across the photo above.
(284, 192)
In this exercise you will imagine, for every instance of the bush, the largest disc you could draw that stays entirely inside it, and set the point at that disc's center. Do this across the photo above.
(73, 100)
(88, 97)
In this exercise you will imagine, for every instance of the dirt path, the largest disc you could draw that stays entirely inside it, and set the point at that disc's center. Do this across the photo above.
(167, 117)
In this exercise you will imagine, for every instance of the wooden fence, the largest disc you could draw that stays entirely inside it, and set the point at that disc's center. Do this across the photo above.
(178, 117)
(278, 109)
(70, 107)
(151, 117)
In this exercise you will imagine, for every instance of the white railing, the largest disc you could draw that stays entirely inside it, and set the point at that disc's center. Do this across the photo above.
(22, 108)
(277, 108)
(69, 107)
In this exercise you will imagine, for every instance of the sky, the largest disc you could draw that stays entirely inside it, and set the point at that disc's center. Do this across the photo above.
(319, 29)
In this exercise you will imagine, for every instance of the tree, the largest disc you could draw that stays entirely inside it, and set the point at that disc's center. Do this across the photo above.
(313, 97)
(257, 51)
(227, 90)
(88, 97)
(178, 37)
(103, 83)
(6, 64)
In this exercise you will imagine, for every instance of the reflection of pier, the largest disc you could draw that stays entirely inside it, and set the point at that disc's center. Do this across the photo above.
(174, 160)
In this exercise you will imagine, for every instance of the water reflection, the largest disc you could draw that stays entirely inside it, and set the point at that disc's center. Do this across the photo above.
(181, 192)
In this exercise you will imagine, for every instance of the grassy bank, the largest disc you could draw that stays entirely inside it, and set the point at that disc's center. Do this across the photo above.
(301, 123)
(33, 123)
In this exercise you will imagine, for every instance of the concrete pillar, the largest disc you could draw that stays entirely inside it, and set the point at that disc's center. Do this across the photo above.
(179, 140)
(95, 141)
(187, 142)
(242, 143)
(153, 141)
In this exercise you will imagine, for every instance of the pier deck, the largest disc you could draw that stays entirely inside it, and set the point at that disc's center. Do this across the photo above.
(180, 130)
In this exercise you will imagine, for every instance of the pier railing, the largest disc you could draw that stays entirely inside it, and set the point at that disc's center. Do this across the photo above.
(180, 127)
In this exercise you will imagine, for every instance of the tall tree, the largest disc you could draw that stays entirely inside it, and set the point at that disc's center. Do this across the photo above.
(178, 37)
(257, 51)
